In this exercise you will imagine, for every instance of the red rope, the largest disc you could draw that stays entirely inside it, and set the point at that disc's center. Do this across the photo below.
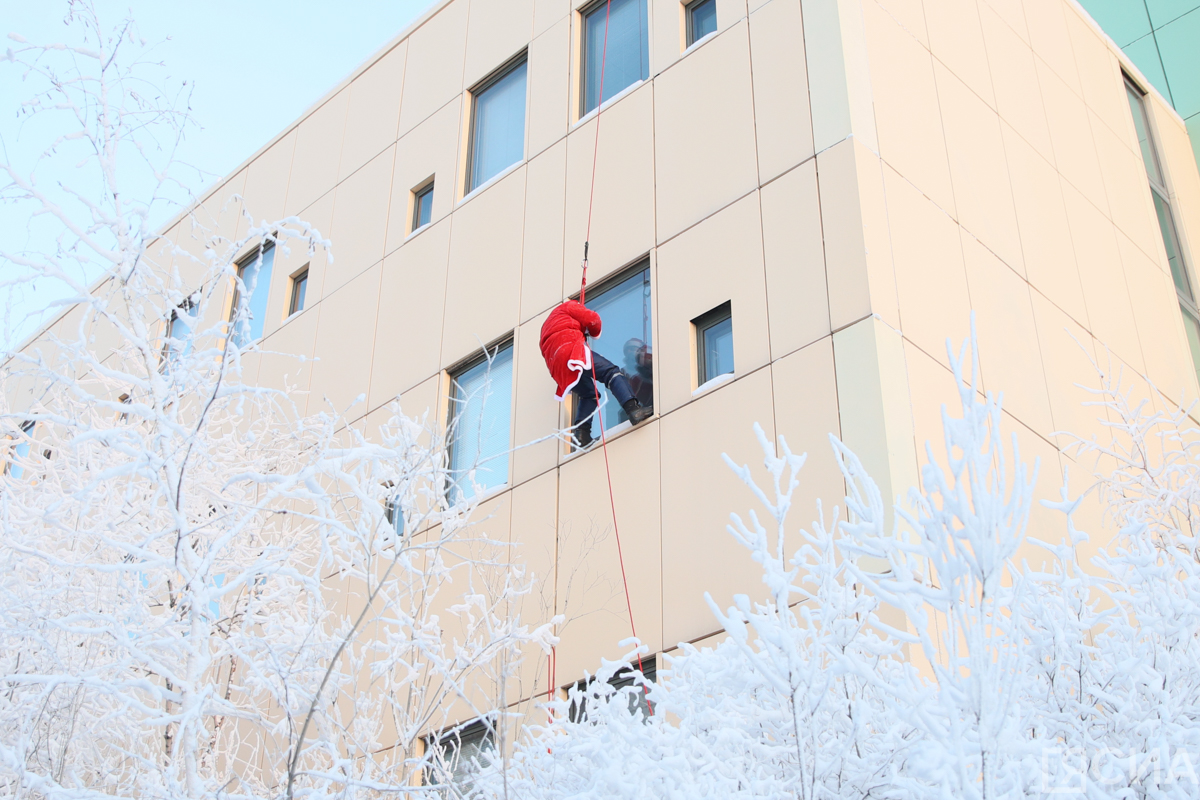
(552, 661)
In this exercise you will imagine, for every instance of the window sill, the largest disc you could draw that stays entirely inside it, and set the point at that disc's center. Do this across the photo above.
(424, 227)
(499, 176)
(705, 38)
(610, 435)
(591, 114)
(709, 385)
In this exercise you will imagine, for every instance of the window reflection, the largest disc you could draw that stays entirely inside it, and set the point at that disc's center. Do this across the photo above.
(624, 308)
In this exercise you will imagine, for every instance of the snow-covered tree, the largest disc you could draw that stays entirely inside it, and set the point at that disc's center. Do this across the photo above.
(925, 659)
(204, 593)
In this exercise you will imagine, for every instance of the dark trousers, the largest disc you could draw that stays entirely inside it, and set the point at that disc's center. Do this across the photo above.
(607, 373)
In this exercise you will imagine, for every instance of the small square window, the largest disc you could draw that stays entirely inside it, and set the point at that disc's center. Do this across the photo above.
(456, 755)
(497, 125)
(299, 288)
(701, 20)
(481, 423)
(422, 206)
(714, 343)
(625, 57)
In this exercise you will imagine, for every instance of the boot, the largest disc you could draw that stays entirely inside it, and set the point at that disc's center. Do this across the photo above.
(636, 411)
(582, 436)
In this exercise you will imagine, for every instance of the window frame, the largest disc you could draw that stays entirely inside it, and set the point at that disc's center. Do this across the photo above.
(299, 277)
(259, 253)
(702, 324)
(481, 88)
(626, 676)
(422, 191)
(689, 33)
(491, 351)
(584, 12)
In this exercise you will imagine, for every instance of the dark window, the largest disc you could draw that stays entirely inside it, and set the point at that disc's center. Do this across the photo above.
(497, 124)
(395, 517)
(627, 60)
(299, 288)
(624, 309)
(626, 677)
(481, 423)
(254, 278)
(714, 343)
(701, 20)
(454, 756)
(422, 206)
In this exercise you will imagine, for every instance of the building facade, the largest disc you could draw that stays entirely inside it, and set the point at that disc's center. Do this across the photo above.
(795, 204)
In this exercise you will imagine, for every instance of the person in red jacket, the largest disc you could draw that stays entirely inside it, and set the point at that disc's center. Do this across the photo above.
(571, 363)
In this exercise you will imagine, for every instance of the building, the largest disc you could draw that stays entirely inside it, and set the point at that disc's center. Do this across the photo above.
(1160, 37)
(796, 202)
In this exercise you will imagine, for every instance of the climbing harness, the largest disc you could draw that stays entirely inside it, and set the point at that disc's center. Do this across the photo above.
(552, 662)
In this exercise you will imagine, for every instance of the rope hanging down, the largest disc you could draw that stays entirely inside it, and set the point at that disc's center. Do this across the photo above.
(552, 663)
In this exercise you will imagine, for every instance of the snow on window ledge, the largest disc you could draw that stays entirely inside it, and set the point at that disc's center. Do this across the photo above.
(591, 114)
(708, 386)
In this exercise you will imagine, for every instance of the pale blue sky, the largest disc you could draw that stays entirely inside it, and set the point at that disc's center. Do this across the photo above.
(256, 66)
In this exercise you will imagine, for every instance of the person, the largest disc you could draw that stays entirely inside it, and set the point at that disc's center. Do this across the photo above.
(571, 363)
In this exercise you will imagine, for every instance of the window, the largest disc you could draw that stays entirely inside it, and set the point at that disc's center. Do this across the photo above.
(394, 514)
(1166, 221)
(481, 423)
(423, 206)
(299, 288)
(454, 756)
(254, 277)
(577, 712)
(624, 309)
(701, 20)
(714, 343)
(627, 60)
(179, 334)
(20, 450)
(497, 125)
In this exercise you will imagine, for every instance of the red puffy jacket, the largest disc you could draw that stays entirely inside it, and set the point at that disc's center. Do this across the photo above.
(563, 346)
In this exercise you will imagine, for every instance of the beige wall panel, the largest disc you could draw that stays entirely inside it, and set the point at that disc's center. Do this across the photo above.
(623, 216)
(1159, 324)
(290, 258)
(374, 110)
(318, 152)
(1046, 244)
(411, 304)
(669, 33)
(1008, 336)
(345, 345)
(806, 412)
(1067, 352)
(1128, 189)
(910, 14)
(425, 402)
(535, 411)
(483, 291)
(1109, 313)
(782, 121)
(429, 150)
(1013, 14)
(930, 279)
(797, 301)
(1045, 524)
(549, 87)
(1099, 74)
(547, 13)
(286, 361)
(718, 260)
(1051, 40)
(590, 591)
(907, 114)
(956, 40)
(534, 539)
(699, 492)
(267, 181)
(881, 272)
(842, 228)
(436, 52)
(704, 132)
(1070, 130)
(542, 257)
(979, 169)
(496, 31)
(931, 385)
(216, 220)
(360, 218)
(1018, 94)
